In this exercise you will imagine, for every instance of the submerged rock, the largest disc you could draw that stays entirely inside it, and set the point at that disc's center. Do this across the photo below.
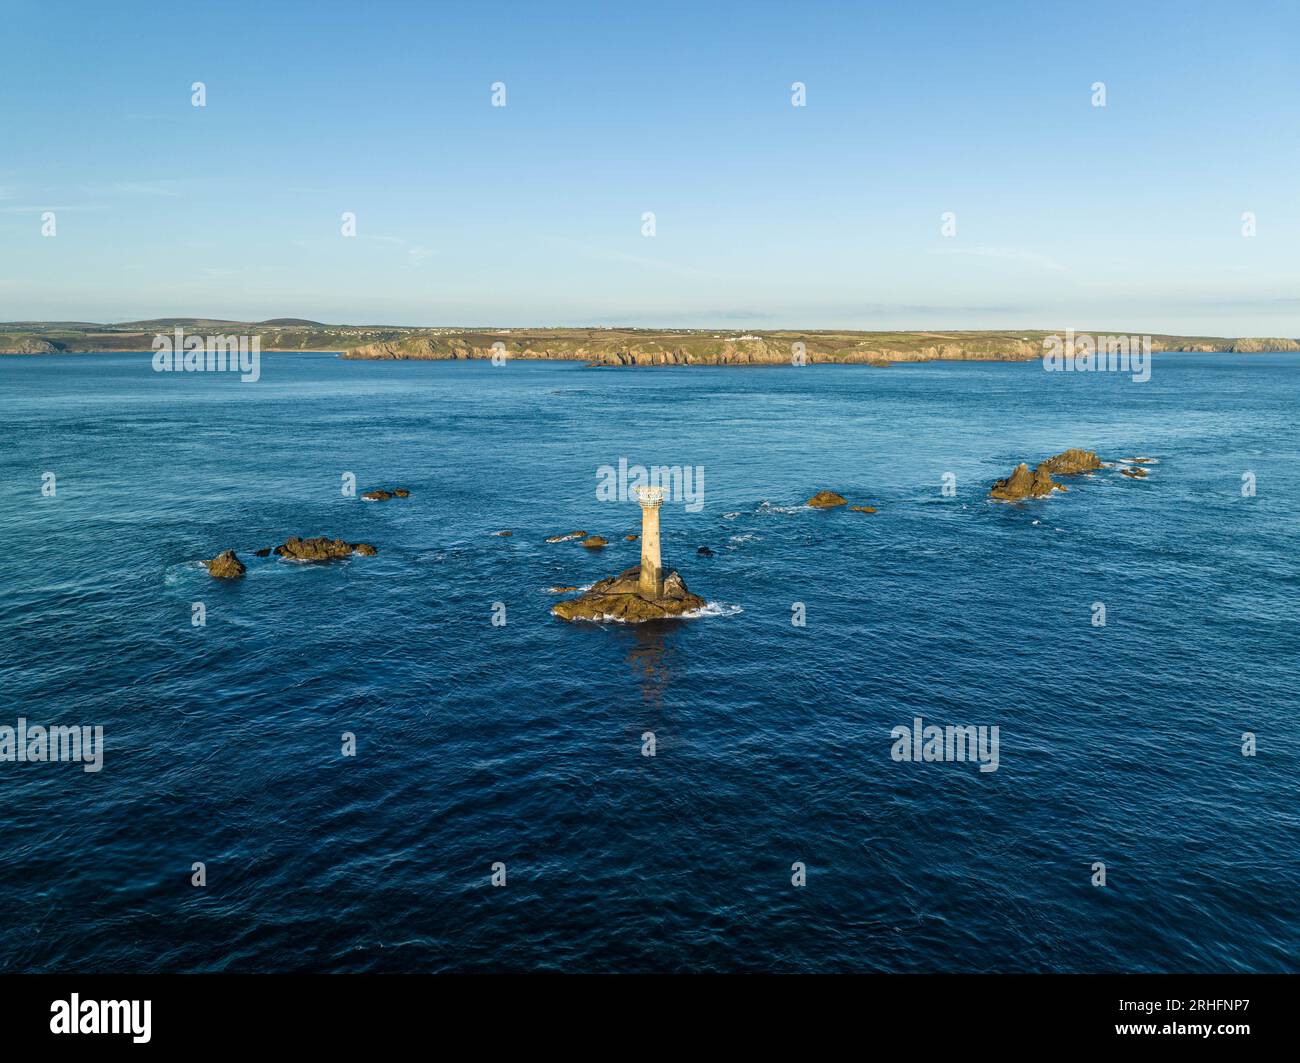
(384, 496)
(562, 590)
(827, 500)
(1136, 474)
(704, 551)
(504, 534)
(616, 598)
(225, 565)
(863, 509)
(595, 542)
(401, 492)
(264, 552)
(566, 538)
(631, 538)
(322, 548)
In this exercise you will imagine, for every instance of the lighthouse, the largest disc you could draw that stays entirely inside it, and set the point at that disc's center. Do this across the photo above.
(650, 585)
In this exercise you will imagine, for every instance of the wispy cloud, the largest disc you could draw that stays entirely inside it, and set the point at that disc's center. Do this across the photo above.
(1009, 254)
(149, 188)
(43, 207)
(605, 254)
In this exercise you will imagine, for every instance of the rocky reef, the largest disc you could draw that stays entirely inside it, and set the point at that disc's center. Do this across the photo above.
(1023, 483)
(225, 565)
(827, 500)
(1071, 462)
(321, 548)
(566, 536)
(384, 496)
(617, 598)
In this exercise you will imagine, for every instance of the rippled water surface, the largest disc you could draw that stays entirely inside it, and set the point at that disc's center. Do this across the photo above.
(522, 743)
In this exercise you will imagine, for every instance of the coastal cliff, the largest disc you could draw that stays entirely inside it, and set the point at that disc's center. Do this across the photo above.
(595, 346)
(602, 347)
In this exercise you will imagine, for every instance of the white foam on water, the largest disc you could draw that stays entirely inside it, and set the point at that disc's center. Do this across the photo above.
(713, 609)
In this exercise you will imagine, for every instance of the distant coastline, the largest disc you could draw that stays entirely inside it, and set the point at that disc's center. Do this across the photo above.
(594, 346)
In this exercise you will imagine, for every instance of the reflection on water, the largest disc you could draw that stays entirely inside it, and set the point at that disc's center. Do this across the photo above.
(648, 655)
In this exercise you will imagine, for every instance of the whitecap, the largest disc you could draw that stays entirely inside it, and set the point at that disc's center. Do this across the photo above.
(767, 507)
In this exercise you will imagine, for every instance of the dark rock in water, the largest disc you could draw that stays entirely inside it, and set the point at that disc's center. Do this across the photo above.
(322, 548)
(504, 534)
(595, 542)
(1136, 474)
(264, 552)
(401, 492)
(827, 500)
(616, 598)
(225, 565)
(1039, 484)
(563, 590)
(566, 538)
(704, 551)
(863, 509)
(631, 538)
(377, 496)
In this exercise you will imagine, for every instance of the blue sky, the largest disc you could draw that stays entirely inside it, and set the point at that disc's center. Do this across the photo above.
(767, 215)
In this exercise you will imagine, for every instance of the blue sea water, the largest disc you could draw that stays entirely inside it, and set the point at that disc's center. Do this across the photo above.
(522, 743)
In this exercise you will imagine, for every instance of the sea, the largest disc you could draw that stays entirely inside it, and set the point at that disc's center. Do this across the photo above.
(406, 763)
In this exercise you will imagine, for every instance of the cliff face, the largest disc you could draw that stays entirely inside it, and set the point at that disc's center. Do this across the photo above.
(646, 348)
(596, 346)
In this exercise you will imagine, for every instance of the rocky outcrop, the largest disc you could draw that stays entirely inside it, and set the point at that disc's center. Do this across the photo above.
(1022, 483)
(863, 509)
(616, 598)
(1071, 462)
(1134, 474)
(562, 590)
(595, 542)
(827, 500)
(384, 496)
(1257, 346)
(567, 536)
(322, 548)
(225, 565)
